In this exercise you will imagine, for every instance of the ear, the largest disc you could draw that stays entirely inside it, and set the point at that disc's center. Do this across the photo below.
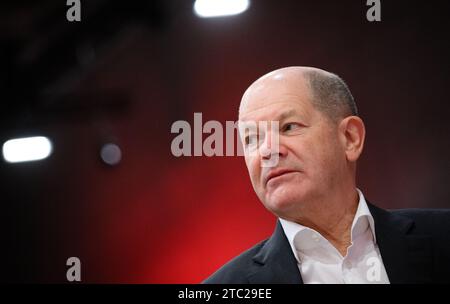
(352, 134)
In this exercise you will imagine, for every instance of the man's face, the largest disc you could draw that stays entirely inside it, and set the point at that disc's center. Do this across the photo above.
(310, 157)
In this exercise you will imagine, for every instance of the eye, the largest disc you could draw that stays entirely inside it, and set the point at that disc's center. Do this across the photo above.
(291, 126)
(251, 140)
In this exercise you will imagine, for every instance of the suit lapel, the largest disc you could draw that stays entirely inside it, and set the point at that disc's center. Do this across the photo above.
(275, 262)
(407, 258)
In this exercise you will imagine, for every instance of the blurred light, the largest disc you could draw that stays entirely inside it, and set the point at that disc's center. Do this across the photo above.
(111, 154)
(216, 8)
(26, 149)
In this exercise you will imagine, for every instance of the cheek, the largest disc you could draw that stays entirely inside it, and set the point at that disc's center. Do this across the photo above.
(254, 169)
(317, 154)
(328, 159)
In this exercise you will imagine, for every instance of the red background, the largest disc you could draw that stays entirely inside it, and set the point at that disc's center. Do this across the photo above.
(156, 218)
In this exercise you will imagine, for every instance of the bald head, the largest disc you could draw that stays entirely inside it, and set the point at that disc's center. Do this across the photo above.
(326, 91)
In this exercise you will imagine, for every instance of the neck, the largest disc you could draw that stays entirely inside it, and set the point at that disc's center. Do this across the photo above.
(332, 217)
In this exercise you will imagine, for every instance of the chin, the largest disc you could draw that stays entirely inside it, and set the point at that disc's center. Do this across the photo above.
(285, 200)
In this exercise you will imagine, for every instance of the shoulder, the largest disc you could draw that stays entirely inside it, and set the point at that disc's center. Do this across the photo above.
(427, 220)
(237, 269)
(421, 212)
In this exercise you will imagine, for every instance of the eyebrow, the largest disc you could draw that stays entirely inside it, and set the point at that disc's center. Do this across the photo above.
(285, 115)
(279, 117)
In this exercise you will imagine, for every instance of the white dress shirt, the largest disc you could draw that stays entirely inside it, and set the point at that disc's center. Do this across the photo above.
(320, 262)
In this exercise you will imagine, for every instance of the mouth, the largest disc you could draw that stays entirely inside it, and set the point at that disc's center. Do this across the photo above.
(277, 173)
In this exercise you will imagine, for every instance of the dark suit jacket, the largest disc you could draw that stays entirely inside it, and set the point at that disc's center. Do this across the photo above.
(414, 245)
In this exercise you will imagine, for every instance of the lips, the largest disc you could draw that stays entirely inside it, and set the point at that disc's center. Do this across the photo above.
(275, 173)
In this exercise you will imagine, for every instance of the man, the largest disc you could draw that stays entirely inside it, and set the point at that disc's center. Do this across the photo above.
(327, 232)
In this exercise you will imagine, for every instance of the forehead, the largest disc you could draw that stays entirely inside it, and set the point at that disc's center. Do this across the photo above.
(274, 97)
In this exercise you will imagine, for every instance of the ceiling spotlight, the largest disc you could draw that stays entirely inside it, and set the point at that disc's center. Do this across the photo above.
(27, 149)
(111, 154)
(218, 8)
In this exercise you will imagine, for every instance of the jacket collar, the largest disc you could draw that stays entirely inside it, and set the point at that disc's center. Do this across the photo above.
(276, 261)
(406, 257)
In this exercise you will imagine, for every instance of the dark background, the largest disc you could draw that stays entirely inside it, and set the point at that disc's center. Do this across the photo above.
(129, 69)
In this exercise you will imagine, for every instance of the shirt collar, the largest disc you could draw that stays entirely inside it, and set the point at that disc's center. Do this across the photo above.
(359, 224)
(362, 212)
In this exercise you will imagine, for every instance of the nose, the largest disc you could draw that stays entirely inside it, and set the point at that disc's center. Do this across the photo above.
(268, 147)
(271, 149)
(267, 150)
